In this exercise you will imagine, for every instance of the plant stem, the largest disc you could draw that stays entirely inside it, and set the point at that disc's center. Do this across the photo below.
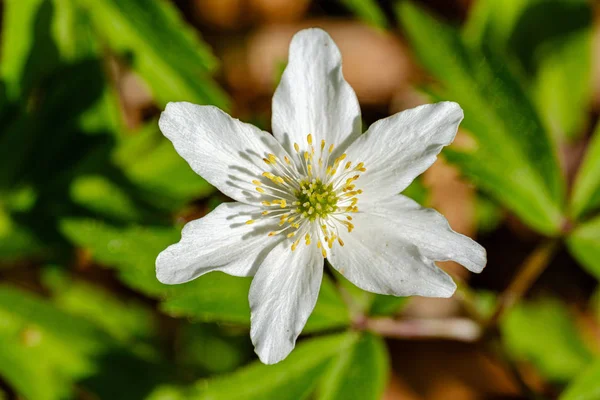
(461, 329)
(530, 270)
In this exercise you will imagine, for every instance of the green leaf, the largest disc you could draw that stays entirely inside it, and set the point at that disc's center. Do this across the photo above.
(213, 348)
(514, 159)
(102, 196)
(362, 303)
(551, 41)
(387, 305)
(292, 379)
(16, 240)
(368, 11)
(43, 351)
(28, 51)
(212, 297)
(76, 41)
(124, 320)
(586, 386)
(584, 244)
(359, 373)
(586, 190)
(531, 329)
(417, 191)
(166, 52)
(151, 163)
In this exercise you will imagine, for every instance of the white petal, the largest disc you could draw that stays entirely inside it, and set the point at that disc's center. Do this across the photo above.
(313, 97)
(225, 151)
(220, 241)
(397, 149)
(377, 259)
(430, 232)
(282, 296)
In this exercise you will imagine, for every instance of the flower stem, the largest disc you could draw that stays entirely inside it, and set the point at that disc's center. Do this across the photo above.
(461, 329)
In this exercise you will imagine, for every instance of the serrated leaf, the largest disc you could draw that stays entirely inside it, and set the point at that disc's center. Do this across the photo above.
(586, 190)
(586, 386)
(584, 244)
(292, 379)
(530, 329)
(498, 113)
(359, 373)
(170, 57)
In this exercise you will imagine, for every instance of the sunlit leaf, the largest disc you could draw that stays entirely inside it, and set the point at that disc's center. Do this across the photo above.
(513, 159)
(586, 190)
(150, 162)
(584, 244)
(544, 333)
(368, 11)
(102, 196)
(124, 320)
(292, 379)
(43, 350)
(358, 373)
(28, 51)
(551, 42)
(586, 386)
(170, 57)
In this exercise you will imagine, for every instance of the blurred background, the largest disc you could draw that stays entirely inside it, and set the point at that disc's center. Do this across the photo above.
(91, 192)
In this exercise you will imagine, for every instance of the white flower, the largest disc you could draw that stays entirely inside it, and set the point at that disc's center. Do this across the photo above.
(317, 188)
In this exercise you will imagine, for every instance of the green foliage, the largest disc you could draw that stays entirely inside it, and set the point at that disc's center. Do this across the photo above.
(173, 62)
(531, 329)
(513, 159)
(586, 191)
(358, 373)
(584, 244)
(586, 385)
(149, 161)
(125, 321)
(212, 297)
(368, 11)
(61, 346)
(293, 378)
(363, 303)
(550, 42)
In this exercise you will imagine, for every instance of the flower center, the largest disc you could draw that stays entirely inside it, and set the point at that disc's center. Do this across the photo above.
(315, 199)
(310, 195)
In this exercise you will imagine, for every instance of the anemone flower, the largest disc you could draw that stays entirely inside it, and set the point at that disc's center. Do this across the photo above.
(317, 188)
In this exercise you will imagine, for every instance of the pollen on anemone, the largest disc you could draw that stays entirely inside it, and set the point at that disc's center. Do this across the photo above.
(317, 188)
